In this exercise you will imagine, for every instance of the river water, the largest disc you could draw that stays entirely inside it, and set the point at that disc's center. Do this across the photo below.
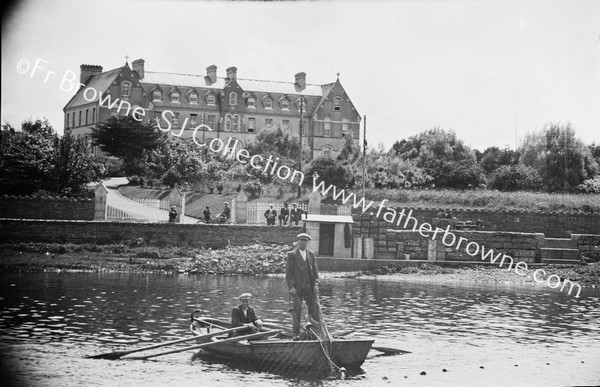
(456, 334)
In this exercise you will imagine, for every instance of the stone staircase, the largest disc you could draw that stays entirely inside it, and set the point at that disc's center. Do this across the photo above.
(559, 250)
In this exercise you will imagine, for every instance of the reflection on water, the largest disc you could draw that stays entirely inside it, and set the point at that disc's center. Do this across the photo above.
(114, 310)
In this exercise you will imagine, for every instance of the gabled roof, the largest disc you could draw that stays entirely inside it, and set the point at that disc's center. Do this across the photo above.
(99, 82)
(189, 80)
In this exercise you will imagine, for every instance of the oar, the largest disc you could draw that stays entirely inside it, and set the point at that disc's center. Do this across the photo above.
(211, 343)
(215, 322)
(390, 351)
(117, 354)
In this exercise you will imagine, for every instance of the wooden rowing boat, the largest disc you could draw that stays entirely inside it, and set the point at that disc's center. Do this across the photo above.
(280, 353)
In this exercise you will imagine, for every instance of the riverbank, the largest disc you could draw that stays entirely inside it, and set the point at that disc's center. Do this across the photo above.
(257, 259)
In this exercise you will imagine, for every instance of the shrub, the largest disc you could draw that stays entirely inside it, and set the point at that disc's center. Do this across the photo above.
(589, 186)
(253, 187)
(515, 177)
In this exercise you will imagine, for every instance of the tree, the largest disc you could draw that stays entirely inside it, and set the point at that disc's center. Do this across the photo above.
(515, 178)
(439, 152)
(561, 159)
(35, 158)
(126, 138)
(329, 170)
(493, 157)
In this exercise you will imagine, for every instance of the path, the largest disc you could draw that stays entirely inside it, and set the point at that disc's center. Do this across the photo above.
(115, 199)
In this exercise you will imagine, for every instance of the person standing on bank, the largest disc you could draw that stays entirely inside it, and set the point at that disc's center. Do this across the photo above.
(173, 214)
(295, 214)
(244, 315)
(284, 215)
(207, 215)
(302, 278)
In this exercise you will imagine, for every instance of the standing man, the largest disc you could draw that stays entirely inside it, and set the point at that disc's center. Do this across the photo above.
(284, 215)
(271, 215)
(302, 278)
(245, 315)
(173, 214)
(207, 215)
(295, 214)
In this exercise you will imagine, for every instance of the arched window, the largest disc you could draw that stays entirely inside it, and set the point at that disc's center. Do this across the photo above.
(285, 104)
(210, 99)
(251, 102)
(157, 95)
(125, 89)
(268, 103)
(327, 151)
(228, 122)
(233, 98)
(194, 98)
(327, 127)
(337, 104)
(235, 123)
(175, 97)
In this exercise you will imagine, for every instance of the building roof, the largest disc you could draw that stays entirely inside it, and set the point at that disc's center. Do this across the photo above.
(190, 80)
(99, 82)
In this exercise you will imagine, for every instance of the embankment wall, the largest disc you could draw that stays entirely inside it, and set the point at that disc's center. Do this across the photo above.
(154, 234)
(26, 207)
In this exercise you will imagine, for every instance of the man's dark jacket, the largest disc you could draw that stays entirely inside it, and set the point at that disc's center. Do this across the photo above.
(238, 319)
(295, 276)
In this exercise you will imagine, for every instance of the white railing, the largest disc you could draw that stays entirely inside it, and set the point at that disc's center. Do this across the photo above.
(115, 213)
(255, 212)
(154, 203)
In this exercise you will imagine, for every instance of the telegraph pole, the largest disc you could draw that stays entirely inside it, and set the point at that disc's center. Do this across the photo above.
(301, 119)
(364, 153)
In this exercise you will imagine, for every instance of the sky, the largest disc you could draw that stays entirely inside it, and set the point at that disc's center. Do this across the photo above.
(492, 71)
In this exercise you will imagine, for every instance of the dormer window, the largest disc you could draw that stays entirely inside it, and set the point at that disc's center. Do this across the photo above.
(301, 104)
(285, 104)
(233, 98)
(175, 97)
(194, 98)
(210, 99)
(268, 103)
(251, 102)
(157, 95)
(337, 104)
(125, 89)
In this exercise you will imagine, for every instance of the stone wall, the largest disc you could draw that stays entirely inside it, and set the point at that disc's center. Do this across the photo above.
(393, 242)
(157, 234)
(551, 224)
(588, 245)
(26, 207)
(520, 246)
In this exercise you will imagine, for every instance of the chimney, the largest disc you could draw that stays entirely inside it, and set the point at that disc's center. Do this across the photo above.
(88, 71)
(138, 67)
(211, 74)
(232, 73)
(301, 81)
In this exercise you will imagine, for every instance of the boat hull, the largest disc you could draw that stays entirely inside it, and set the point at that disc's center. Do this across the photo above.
(274, 354)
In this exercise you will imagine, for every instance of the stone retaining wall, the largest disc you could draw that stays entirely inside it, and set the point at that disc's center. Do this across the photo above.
(552, 224)
(26, 207)
(156, 234)
(588, 245)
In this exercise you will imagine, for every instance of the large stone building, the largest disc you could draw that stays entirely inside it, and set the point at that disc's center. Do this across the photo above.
(230, 106)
